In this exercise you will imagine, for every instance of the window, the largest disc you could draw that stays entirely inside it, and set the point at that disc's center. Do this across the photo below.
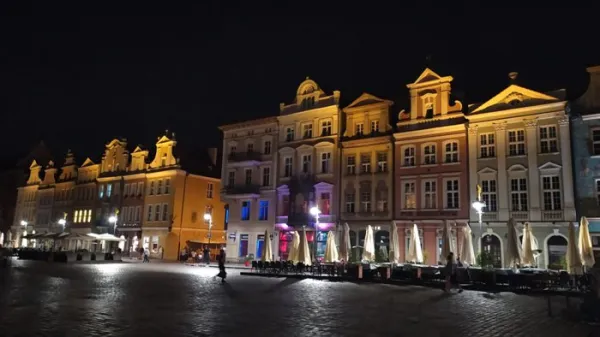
(382, 203)
(307, 130)
(163, 160)
(266, 176)
(365, 201)
(516, 142)
(267, 147)
(548, 139)
(409, 156)
(231, 179)
(451, 155)
(410, 197)
(285, 205)
(250, 147)
(430, 194)
(232, 149)
(428, 103)
(351, 165)
(382, 162)
(452, 201)
(157, 213)
(159, 187)
(248, 176)
(210, 187)
(429, 154)
(287, 171)
(289, 134)
(489, 196)
(350, 202)
(325, 204)
(167, 185)
(360, 129)
(101, 191)
(138, 213)
(126, 190)
(596, 142)
(325, 162)
(551, 188)
(140, 188)
(306, 163)
(374, 126)
(109, 190)
(326, 128)
(365, 163)
(151, 190)
(518, 194)
(149, 218)
(263, 210)
(245, 216)
(487, 147)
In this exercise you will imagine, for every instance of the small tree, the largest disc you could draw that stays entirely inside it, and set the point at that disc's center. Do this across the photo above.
(485, 259)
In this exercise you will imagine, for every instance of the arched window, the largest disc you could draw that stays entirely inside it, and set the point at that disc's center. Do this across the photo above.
(491, 244)
(557, 252)
(382, 246)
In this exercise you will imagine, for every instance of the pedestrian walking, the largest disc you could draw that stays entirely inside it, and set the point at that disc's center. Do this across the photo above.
(146, 258)
(450, 271)
(221, 260)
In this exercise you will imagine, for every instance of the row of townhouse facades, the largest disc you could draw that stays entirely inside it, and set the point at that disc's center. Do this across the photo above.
(156, 202)
(360, 170)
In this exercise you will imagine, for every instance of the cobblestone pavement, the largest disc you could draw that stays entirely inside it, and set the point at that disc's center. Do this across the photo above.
(129, 299)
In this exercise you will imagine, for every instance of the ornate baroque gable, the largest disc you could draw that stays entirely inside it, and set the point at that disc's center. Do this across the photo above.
(513, 96)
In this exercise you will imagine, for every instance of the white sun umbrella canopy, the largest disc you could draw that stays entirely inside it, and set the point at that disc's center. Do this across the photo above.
(528, 246)
(415, 251)
(394, 245)
(585, 244)
(293, 255)
(344, 253)
(513, 251)
(447, 246)
(467, 254)
(369, 248)
(1, 238)
(574, 264)
(303, 250)
(331, 252)
(267, 250)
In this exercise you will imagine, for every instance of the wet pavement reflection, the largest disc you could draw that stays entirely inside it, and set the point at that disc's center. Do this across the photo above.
(133, 299)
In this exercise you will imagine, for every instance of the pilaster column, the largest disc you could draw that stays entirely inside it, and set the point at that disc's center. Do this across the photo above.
(502, 184)
(473, 145)
(567, 170)
(316, 127)
(532, 168)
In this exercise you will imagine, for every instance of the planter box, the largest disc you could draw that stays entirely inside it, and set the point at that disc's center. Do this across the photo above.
(99, 257)
(71, 257)
(86, 256)
(117, 257)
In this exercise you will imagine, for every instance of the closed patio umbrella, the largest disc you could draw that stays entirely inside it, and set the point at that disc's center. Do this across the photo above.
(369, 250)
(267, 250)
(585, 244)
(528, 246)
(331, 252)
(303, 250)
(513, 253)
(345, 246)
(394, 245)
(293, 255)
(467, 254)
(447, 246)
(415, 251)
(574, 264)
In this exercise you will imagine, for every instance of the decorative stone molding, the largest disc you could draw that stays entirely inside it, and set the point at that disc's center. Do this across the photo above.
(499, 127)
(562, 120)
(531, 123)
(473, 129)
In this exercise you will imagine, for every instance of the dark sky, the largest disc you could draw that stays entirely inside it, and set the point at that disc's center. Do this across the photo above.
(78, 74)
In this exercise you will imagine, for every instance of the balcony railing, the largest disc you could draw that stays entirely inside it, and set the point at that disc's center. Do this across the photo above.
(519, 215)
(552, 215)
(242, 189)
(428, 213)
(361, 214)
(244, 156)
(489, 216)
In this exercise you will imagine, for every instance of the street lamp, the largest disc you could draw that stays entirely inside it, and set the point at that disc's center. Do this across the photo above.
(208, 217)
(23, 223)
(478, 205)
(62, 222)
(315, 211)
(113, 220)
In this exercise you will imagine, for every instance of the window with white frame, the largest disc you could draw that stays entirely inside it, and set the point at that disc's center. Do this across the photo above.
(381, 162)
(365, 201)
(428, 104)
(287, 166)
(306, 163)
(595, 142)
(326, 128)
(374, 126)
(360, 129)
(489, 195)
(548, 139)
(289, 134)
(248, 176)
(250, 147)
(266, 176)
(430, 194)
(518, 194)
(157, 212)
(451, 152)
(167, 185)
(410, 196)
(452, 194)
(551, 192)
(231, 179)
(408, 156)
(382, 202)
(267, 147)
(365, 163)
(325, 162)
(351, 165)
(307, 130)
(516, 142)
(429, 154)
(349, 202)
(487, 145)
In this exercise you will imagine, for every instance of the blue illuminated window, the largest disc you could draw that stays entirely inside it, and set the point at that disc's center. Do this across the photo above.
(245, 211)
(263, 210)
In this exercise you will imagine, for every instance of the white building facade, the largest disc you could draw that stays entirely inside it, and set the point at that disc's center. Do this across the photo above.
(520, 155)
(248, 180)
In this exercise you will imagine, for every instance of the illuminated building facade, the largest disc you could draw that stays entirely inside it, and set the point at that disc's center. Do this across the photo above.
(431, 163)
(585, 136)
(248, 178)
(308, 166)
(520, 154)
(366, 187)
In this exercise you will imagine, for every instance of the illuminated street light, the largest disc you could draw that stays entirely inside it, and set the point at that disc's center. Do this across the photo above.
(23, 223)
(478, 205)
(113, 220)
(315, 211)
(208, 217)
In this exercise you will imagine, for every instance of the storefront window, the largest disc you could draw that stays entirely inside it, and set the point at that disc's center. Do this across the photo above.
(557, 251)
(155, 244)
(321, 244)
(260, 242)
(285, 244)
(382, 246)
(243, 245)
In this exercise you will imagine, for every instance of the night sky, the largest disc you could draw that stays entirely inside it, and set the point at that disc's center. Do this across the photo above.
(77, 75)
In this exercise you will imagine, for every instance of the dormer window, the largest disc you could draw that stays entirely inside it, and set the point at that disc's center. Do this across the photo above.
(374, 126)
(360, 129)
(163, 161)
(289, 134)
(428, 106)
(308, 103)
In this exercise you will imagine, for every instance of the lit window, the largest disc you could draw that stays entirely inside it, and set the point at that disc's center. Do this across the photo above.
(429, 154)
(351, 165)
(408, 156)
(548, 139)
(451, 152)
(430, 194)
(516, 142)
(410, 197)
(245, 216)
(488, 189)
(109, 190)
(487, 147)
(263, 210)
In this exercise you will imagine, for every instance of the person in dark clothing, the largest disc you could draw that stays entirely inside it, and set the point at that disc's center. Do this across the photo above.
(206, 255)
(221, 260)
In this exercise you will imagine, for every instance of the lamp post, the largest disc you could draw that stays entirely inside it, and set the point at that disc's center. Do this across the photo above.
(24, 224)
(113, 220)
(62, 223)
(208, 217)
(315, 211)
(478, 205)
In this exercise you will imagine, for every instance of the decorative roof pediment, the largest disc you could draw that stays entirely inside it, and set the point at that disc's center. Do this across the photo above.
(367, 99)
(517, 168)
(549, 166)
(487, 170)
(163, 139)
(323, 185)
(283, 188)
(513, 95)
(87, 162)
(34, 164)
(304, 147)
(139, 149)
(114, 142)
(427, 75)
